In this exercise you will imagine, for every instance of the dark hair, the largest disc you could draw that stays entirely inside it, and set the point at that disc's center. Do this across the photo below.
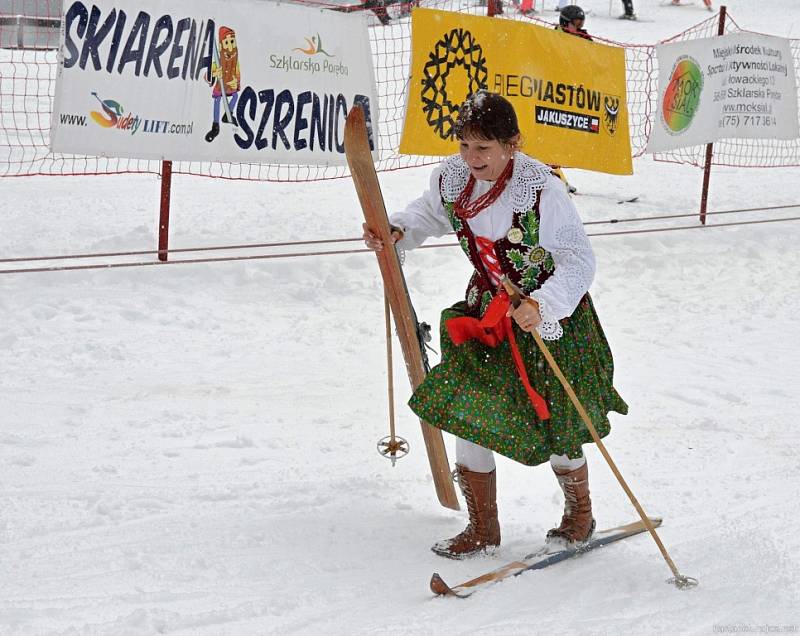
(570, 13)
(486, 115)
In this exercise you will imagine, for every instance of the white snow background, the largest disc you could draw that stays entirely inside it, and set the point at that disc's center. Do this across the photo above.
(190, 449)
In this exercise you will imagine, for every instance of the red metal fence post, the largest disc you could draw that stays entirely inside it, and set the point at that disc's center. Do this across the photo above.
(710, 147)
(163, 219)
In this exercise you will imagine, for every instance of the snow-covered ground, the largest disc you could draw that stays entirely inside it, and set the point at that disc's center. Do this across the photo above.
(190, 449)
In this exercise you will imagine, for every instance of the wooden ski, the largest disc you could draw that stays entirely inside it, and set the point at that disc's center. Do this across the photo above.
(538, 560)
(365, 179)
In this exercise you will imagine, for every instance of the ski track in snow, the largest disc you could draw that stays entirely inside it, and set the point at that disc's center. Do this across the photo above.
(191, 449)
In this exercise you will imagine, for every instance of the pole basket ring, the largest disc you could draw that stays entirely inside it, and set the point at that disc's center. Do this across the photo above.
(683, 582)
(393, 447)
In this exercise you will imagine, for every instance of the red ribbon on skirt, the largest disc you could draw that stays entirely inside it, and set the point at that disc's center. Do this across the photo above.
(491, 330)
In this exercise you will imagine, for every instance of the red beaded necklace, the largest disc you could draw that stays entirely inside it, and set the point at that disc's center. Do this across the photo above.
(466, 210)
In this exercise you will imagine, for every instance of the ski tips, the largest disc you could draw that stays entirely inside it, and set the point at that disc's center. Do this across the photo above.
(356, 116)
(353, 127)
(440, 588)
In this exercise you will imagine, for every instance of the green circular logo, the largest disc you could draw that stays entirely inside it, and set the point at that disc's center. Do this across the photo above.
(682, 97)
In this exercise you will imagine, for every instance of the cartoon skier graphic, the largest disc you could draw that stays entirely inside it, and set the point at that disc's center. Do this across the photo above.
(225, 72)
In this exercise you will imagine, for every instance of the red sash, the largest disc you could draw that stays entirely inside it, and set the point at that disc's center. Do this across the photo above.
(491, 330)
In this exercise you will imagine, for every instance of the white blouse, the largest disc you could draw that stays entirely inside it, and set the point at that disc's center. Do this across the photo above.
(560, 228)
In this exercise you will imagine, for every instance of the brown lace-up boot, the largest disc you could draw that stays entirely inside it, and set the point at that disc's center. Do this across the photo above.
(483, 529)
(577, 524)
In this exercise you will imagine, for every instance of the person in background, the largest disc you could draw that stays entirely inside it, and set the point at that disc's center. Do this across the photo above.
(571, 20)
(493, 388)
(495, 7)
(527, 7)
(627, 4)
(708, 4)
(629, 13)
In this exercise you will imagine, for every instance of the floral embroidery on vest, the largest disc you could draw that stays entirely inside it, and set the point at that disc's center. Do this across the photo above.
(521, 257)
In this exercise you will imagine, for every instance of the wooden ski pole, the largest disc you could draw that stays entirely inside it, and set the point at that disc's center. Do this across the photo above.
(392, 447)
(387, 313)
(679, 580)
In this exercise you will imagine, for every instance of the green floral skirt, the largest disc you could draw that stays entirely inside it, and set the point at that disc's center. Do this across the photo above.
(475, 392)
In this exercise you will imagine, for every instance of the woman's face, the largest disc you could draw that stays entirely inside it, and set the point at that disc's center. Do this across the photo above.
(486, 158)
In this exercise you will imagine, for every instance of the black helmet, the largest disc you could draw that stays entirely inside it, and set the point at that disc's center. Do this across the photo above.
(570, 13)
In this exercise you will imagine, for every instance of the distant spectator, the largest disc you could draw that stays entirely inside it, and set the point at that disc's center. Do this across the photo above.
(629, 14)
(627, 4)
(526, 7)
(571, 20)
(708, 3)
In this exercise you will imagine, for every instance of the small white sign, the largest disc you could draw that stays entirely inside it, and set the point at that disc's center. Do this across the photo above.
(739, 85)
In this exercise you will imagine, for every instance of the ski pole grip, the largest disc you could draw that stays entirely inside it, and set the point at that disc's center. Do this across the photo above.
(514, 292)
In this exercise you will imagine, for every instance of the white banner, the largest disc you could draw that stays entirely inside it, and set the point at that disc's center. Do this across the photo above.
(144, 79)
(739, 85)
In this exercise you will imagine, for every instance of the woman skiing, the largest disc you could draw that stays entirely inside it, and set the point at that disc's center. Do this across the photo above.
(493, 388)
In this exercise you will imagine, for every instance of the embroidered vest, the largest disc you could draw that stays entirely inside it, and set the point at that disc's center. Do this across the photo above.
(519, 254)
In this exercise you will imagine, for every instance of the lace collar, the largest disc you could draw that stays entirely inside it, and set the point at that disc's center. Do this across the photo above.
(527, 179)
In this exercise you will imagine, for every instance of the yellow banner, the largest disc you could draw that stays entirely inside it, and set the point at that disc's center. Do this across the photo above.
(569, 93)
